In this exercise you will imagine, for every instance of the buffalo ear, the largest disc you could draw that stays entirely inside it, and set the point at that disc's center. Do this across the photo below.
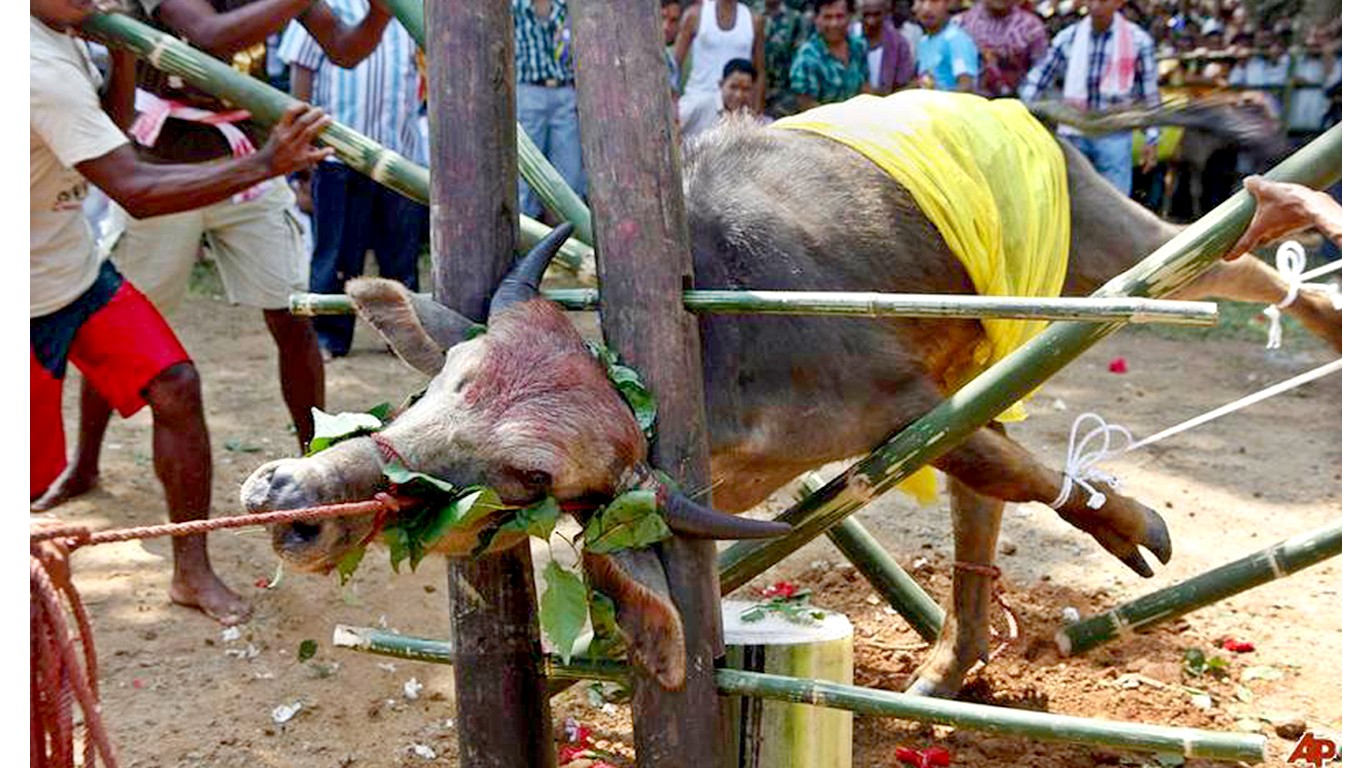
(419, 329)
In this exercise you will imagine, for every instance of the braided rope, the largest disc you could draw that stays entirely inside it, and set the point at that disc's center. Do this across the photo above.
(58, 677)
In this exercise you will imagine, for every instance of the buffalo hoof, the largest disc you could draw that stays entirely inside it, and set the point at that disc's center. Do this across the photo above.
(646, 615)
(1123, 525)
(950, 662)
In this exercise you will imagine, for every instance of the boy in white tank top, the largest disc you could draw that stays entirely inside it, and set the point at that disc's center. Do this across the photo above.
(706, 45)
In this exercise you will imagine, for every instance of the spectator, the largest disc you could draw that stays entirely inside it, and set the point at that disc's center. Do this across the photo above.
(735, 96)
(1010, 41)
(351, 211)
(714, 32)
(946, 58)
(903, 18)
(1105, 61)
(833, 65)
(1267, 69)
(1309, 101)
(547, 104)
(890, 65)
(670, 11)
(82, 311)
(784, 30)
(257, 244)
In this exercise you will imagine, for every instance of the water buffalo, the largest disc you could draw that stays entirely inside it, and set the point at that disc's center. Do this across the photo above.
(525, 409)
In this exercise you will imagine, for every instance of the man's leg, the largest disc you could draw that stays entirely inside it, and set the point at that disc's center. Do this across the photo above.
(156, 255)
(1114, 159)
(340, 229)
(532, 103)
(261, 257)
(401, 230)
(46, 436)
(128, 352)
(565, 152)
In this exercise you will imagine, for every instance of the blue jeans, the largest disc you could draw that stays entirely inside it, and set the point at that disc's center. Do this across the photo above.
(1112, 156)
(351, 214)
(550, 116)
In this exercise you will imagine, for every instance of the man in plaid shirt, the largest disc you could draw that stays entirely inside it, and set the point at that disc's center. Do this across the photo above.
(1106, 61)
(547, 106)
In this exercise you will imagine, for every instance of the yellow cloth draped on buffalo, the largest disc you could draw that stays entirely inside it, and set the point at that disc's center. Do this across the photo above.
(989, 177)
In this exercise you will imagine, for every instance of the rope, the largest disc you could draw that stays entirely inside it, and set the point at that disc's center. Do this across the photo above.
(58, 677)
(993, 573)
(1290, 263)
(1080, 466)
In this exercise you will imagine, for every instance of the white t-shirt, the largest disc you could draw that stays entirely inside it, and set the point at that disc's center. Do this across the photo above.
(66, 126)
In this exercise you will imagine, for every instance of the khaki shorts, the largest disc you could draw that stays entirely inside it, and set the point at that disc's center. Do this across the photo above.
(258, 246)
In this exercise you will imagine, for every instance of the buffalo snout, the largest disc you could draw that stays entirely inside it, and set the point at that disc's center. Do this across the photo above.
(308, 545)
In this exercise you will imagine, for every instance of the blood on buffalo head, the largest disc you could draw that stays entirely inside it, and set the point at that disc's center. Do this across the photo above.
(523, 408)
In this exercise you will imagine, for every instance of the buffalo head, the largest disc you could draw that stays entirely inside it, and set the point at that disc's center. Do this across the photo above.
(522, 408)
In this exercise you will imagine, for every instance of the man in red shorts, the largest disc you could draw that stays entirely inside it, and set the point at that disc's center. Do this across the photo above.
(81, 309)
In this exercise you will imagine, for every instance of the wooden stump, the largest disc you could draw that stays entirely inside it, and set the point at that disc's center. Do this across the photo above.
(767, 733)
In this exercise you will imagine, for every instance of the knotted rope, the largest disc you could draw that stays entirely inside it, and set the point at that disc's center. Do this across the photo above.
(1290, 263)
(993, 573)
(1080, 467)
(57, 674)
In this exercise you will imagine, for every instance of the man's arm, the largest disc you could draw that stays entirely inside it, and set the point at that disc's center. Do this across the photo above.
(148, 189)
(223, 34)
(757, 57)
(1042, 76)
(120, 88)
(1282, 210)
(687, 30)
(1145, 92)
(965, 64)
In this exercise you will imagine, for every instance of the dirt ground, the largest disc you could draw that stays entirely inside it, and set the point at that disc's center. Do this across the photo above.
(179, 692)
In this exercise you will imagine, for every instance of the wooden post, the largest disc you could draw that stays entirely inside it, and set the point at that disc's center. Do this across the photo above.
(644, 263)
(502, 713)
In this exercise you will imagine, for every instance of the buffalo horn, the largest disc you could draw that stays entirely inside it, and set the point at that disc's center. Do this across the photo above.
(687, 517)
(523, 282)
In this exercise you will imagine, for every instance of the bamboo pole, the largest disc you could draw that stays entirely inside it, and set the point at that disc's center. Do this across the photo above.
(1044, 726)
(1274, 562)
(882, 571)
(1167, 269)
(174, 56)
(540, 175)
(841, 304)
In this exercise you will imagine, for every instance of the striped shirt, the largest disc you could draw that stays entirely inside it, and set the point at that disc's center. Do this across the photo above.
(379, 96)
(542, 49)
(1044, 76)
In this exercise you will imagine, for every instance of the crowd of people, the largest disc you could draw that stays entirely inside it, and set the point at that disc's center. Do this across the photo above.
(186, 171)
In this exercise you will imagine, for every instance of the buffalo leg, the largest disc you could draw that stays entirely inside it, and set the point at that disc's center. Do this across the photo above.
(965, 638)
(994, 465)
(1248, 278)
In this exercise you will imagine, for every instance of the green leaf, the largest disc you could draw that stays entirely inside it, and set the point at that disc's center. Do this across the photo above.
(381, 411)
(563, 608)
(347, 564)
(396, 537)
(475, 331)
(477, 503)
(608, 642)
(536, 520)
(306, 650)
(329, 428)
(1194, 662)
(629, 522)
(417, 483)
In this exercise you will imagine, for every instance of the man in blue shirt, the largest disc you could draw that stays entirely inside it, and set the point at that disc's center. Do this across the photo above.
(946, 57)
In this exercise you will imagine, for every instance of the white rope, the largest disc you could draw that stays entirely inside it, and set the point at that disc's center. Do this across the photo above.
(1290, 263)
(1080, 466)
(1082, 459)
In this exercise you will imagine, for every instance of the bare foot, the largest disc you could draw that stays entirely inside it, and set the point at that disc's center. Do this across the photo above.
(69, 485)
(211, 596)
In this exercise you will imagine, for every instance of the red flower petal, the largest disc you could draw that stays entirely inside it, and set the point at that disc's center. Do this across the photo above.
(937, 756)
(262, 583)
(1238, 646)
(1119, 365)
